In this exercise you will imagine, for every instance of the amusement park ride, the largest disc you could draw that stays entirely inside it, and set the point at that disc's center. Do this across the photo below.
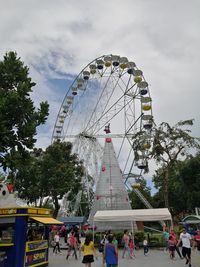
(110, 92)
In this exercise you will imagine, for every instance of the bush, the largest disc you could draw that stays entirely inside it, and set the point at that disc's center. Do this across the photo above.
(139, 236)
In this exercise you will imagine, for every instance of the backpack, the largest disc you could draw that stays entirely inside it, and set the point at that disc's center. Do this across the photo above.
(72, 240)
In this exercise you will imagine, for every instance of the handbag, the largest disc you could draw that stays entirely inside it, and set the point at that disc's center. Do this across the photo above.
(101, 248)
(53, 243)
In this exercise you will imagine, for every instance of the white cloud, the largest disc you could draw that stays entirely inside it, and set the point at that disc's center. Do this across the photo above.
(56, 39)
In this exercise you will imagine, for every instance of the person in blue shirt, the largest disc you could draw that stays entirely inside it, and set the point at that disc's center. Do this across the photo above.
(166, 236)
(110, 253)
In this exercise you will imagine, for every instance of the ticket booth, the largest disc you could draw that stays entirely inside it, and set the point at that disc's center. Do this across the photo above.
(24, 236)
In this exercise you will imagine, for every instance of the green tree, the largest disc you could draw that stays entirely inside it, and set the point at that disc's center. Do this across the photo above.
(169, 144)
(28, 178)
(189, 175)
(50, 174)
(175, 187)
(136, 203)
(184, 185)
(18, 116)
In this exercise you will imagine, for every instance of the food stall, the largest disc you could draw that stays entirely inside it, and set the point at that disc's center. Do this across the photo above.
(24, 236)
(191, 223)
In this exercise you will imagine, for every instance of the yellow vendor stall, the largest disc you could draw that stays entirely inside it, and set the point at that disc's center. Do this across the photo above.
(24, 236)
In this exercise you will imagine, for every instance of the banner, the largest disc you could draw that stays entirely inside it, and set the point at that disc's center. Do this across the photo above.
(35, 257)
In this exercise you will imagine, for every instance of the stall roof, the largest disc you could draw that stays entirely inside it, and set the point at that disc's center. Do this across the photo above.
(46, 220)
(191, 219)
(133, 215)
(73, 219)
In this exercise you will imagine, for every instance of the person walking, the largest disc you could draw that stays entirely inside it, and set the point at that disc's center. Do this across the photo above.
(57, 244)
(145, 246)
(103, 242)
(171, 246)
(186, 238)
(110, 253)
(125, 241)
(166, 236)
(72, 245)
(77, 235)
(173, 235)
(131, 247)
(196, 242)
(88, 251)
(115, 242)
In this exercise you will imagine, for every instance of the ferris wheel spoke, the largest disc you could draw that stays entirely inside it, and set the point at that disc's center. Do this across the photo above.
(109, 114)
(101, 98)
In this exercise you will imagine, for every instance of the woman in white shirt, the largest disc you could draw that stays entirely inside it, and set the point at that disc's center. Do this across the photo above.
(57, 243)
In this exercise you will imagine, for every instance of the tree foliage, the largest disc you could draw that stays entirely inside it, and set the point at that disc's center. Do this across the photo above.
(136, 203)
(51, 173)
(18, 116)
(184, 186)
(169, 144)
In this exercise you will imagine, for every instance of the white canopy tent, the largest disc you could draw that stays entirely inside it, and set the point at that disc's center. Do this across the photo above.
(162, 214)
(139, 215)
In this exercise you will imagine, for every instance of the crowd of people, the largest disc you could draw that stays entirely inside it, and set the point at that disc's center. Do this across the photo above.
(108, 246)
(186, 241)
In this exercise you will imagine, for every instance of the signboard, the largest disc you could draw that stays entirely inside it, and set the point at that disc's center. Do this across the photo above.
(39, 211)
(34, 258)
(36, 245)
(7, 211)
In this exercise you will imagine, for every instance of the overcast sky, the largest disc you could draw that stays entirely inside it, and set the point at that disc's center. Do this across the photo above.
(58, 38)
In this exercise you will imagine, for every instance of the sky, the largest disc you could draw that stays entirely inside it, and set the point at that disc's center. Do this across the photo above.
(57, 39)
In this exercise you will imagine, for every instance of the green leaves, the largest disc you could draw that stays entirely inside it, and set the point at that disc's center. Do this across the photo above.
(18, 116)
(50, 173)
(183, 185)
(169, 145)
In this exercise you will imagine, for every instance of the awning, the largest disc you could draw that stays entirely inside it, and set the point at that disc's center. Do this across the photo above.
(6, 220)
(133, 215)
(73, 219)
(46, 220)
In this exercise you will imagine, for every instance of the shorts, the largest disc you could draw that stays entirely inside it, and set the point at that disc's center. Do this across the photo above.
(171, 248)
(88, 259)
(186, 251)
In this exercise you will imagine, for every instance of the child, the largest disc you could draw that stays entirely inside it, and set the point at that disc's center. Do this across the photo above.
(88, 251)
(171, 246)
(145, 246)
(131, 247)
(110, 253)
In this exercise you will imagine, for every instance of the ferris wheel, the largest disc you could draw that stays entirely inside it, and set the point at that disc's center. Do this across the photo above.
(109, 97)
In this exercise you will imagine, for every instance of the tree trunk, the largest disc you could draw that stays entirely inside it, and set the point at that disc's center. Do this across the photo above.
(57, 207)
(166, 188)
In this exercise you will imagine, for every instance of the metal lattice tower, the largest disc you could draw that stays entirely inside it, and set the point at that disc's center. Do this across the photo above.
(111, 193)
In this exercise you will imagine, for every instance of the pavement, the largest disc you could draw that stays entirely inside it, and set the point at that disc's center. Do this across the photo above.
(155, 258)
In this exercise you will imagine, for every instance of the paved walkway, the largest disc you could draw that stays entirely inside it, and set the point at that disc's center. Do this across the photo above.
(155, 258)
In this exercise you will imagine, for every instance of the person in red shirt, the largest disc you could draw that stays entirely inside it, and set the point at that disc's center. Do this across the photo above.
(72, 245)
(131, 247)
(173, 235)
(125, 240)
(196, 242)
(171, 245)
